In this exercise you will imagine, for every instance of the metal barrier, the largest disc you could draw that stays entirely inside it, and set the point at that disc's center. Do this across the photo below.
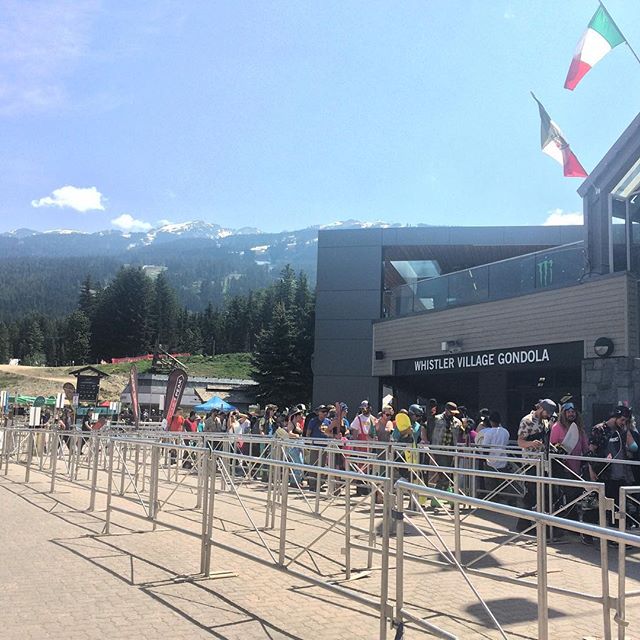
(139, 475)
(541, 520)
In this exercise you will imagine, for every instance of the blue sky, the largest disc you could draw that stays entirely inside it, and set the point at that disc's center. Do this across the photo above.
(285, 114)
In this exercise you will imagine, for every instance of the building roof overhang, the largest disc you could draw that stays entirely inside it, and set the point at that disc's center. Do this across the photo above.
(618, 172)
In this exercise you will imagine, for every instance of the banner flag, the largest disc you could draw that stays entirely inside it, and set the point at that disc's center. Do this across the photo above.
(133, 386)
(175, 388)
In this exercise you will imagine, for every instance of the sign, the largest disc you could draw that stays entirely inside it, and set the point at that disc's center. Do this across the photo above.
(537, 356)
(133, 387)
(76, 400)
(34, 416)
(39, 401)
(88, 388)
(175, 388)
(69, 390)
(60, 398)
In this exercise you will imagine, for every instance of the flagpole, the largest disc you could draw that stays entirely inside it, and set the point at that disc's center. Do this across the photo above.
(635, 55)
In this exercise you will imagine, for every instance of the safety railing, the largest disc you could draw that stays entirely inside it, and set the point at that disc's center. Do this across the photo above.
(139, 476)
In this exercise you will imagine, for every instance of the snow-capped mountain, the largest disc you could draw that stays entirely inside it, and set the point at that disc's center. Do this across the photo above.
(192, 230)
(205, 262)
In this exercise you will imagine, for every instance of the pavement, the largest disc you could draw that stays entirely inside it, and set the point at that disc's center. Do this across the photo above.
(61, 578)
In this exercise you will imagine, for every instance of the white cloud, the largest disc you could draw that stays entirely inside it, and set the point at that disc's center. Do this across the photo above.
(560, 217)
(163, 223)
(79, 198)
(127, 222)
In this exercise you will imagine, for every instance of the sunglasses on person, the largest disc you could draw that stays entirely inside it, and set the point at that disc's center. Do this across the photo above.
(389, 415)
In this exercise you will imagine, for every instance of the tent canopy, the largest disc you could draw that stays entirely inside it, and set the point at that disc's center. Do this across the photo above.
(214, 403)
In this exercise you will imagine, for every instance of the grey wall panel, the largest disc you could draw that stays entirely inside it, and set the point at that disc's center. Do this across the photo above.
(349, 389)
(584, 312)
(349, 237)
(415, 236)
(349, 269)
(633, 347)
(348, 305)
(344, 330)
(343, 357)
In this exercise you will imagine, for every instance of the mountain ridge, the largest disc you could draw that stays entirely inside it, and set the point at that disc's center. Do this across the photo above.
(42, 271)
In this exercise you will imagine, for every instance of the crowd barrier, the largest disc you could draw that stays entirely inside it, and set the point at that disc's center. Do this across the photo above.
(139, 472)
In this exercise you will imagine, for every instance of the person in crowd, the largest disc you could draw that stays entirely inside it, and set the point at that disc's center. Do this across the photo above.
(336, 423)
(175, 427)
(292, 429)
(614, 440)
(482, 425)
(467, 435)
(406, 431)
(85, 425)
(495, 436)
(189, 425)
(363, 426)
(483, 419)
(533, 434)
(316, 433)
(233, 424)
(314, 427)
(408, 434)
(384, 424)
(63, 424)
(568, 437)
(430, 420)
(447, 430)
(268, 422)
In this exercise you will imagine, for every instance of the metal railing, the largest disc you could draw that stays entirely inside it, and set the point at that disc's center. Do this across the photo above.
(137, 475)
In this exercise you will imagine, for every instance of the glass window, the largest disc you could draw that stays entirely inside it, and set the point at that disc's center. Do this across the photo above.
(468, 286)
(432, 293)
(512, 278)
(559, 267)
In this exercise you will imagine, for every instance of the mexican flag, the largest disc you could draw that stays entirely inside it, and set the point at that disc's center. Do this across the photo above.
(601, 36)
(555, 146)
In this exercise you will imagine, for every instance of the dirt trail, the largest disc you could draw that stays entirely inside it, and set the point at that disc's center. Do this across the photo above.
(33, 381)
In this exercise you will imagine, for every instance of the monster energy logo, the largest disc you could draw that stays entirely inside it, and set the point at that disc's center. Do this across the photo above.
(545, 272)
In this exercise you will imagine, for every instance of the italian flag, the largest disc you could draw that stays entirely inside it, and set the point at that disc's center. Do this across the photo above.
(555, 146)
(601, 36)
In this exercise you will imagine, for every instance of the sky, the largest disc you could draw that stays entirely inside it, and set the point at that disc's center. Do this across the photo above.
(285, 114)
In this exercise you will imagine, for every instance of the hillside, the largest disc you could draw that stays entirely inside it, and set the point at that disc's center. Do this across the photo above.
(46, 381)
(43, 272)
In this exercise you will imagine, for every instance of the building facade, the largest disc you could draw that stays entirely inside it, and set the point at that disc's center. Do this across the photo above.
(489, 316)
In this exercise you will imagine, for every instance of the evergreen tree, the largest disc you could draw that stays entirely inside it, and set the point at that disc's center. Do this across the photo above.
(5, 345)
(165, 313)
(52, 339)
(286, 287)
(236, 325)
(77, 338)
(211, 330)
(272, 361)
(304, 324)
(192, 339)
(31, 347)
(121, 325)
(87, 298)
